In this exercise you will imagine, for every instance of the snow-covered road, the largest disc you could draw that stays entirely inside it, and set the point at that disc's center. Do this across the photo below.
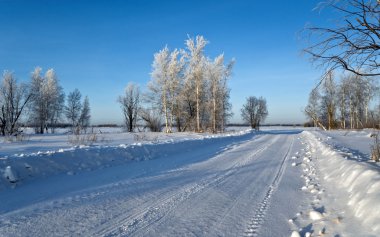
(232, 189)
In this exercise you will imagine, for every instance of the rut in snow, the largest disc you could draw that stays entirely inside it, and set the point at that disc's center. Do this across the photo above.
(257, 220)
(142, 220)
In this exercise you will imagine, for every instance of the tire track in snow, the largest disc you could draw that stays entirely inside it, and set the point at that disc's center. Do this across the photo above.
(257, 220)
(76, 199)
(144, 219)
(143, 216)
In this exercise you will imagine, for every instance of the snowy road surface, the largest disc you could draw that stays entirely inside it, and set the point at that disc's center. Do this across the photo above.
(228, 193)
(272, 183)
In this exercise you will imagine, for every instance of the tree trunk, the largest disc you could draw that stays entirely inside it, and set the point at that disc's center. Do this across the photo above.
(198, 110)
(214, 116)
(166, 114)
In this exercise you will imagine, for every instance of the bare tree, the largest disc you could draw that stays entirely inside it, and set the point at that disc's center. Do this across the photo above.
(73, 109)
(13, 99)
(85, 116)
(130, 104)
(254, 111)
(152, 119)
(262, 111)
(354, 44)
(312, 109)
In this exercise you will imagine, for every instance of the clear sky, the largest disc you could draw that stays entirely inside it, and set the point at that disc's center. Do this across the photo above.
(100, 46)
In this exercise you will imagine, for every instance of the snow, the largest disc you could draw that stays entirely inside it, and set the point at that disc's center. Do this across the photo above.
(277, 182)
(315, 215)
(355, 183)
(295, 234)
(10, 175)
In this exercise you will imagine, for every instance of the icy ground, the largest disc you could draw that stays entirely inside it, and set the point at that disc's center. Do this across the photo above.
(278, 182)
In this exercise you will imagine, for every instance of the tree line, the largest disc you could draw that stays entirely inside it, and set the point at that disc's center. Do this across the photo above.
(350, 47)
(41, 102)
(344, 103)
(188, 91)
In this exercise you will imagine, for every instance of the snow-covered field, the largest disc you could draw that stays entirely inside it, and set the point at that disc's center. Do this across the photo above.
(276, 182)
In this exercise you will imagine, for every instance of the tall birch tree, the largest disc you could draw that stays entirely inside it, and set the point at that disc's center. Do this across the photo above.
(195, 74)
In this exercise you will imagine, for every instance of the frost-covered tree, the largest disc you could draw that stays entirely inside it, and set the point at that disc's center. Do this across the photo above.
(55, 98)
(14, 97)
(329, 98)
(158, 87)
(189, 90)
(313, 108)
(85, 116)
(254, 111)
(219, 107)
(165, 86)
(360, 92)
(195, 75)
(348, 100)
(342, 101)
(47, 101)
(73, 109)
(130, 104)
(38, 105)
(175, 87)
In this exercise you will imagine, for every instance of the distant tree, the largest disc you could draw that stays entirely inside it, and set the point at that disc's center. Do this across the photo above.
(226, 106)
(329, 100)
(73, 109)
(254, 111)
(360, 92)
(54, 97)
(313, 107)
(354, 43)
(151, 118)
(47, 100)
(348, 100)
(14, 97)
(262, 112)
(84, 119)
(342, 101)
(130, 104)
(38, 105)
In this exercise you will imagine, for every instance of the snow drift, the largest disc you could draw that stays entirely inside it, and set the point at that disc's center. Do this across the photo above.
(23, 167)
(359, 181)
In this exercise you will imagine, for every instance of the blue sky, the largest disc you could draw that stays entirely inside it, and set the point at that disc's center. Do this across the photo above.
(100, 46)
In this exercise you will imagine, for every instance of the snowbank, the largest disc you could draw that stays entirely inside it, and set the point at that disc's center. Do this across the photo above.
(359, 181)
(72, 160)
